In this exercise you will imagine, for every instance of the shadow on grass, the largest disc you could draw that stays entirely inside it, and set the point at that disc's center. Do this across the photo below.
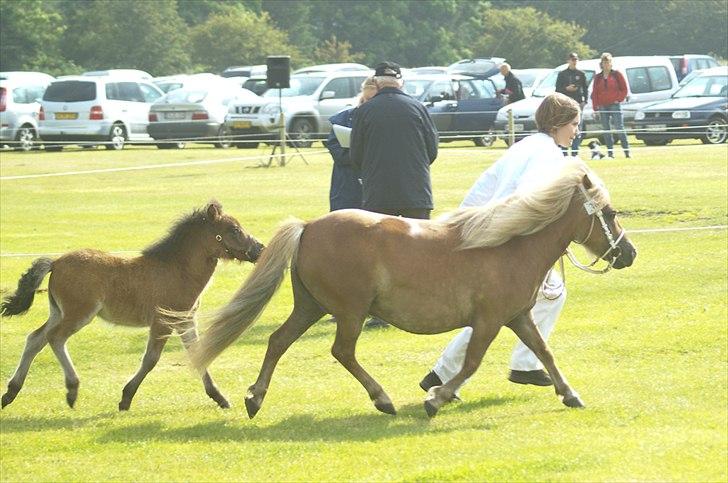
(21, 424)
(372, 426)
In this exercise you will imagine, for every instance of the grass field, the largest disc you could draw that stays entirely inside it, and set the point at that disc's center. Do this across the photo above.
(645, 347)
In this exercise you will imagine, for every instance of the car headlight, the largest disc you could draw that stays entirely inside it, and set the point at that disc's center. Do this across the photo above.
(271, 110)
(639, 116)
(681, 115)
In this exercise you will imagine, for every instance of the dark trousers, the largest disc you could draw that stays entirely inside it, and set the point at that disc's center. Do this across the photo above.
(418, 213)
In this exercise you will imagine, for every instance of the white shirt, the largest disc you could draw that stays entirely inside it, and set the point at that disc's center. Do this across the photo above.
(524, 162)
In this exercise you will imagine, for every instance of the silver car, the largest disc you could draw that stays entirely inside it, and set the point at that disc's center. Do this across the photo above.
(196, 113)
(19, 107)
(90, 109)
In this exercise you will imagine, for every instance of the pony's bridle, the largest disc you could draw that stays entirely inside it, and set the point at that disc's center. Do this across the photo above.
(595, 211)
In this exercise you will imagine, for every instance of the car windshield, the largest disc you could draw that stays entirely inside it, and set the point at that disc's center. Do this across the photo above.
(704, 86)
(547, 85)
(300, 86)
(187, 95)
(416, 87)
(527, 78)
(474, 67)
(70, 91)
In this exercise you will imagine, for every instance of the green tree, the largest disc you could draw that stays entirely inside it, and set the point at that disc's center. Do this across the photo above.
(237, 37)
(334, 50)
(105, 34)
(527, 37)
(195, 12)
(30, 35)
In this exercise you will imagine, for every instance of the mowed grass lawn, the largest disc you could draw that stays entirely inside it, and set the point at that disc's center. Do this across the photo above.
(645, 347)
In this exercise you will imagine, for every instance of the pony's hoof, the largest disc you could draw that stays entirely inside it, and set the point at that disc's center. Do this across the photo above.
(574, 402)
(430, 409)
(71, 399)
(223, 404)
(251, 406)
(124, 405)
(8, 397)
(387, 408)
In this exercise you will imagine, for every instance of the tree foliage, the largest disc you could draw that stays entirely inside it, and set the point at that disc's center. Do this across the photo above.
(334, 50)
(237, 37)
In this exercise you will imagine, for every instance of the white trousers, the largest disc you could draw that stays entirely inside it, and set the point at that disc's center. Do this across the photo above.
(545, 312)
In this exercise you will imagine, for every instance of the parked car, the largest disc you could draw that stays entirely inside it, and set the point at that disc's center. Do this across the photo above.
(339, 67)
(307, 105)
(257, 84)
(432, 69)
(196, 113)
(88, 109)
(685, 64)
(480, 68)
(128, 73)
(244, 70)
(649, 79)
(19, 107)
(172, 82)
(699, 109)
(462, 107)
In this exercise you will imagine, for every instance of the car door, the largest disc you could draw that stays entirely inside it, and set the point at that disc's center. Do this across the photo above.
(442, 105)
(477, 106)
(336, 95)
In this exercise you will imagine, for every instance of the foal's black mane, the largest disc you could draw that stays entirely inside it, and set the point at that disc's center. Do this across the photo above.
(166, 248)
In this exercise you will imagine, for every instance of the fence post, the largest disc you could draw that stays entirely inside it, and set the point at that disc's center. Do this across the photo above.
(511, 128)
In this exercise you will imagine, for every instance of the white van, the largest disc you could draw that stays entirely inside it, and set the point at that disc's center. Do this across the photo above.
(649, 79)
(19, 107)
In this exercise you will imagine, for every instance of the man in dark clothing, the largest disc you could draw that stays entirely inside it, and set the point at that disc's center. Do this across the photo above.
(572, 82)
(514, 88)
(393, 143)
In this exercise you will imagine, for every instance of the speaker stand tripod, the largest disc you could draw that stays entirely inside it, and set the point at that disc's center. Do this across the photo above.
(283, 138)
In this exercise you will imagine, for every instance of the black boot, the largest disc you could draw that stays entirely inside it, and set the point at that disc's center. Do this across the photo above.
(538, 377)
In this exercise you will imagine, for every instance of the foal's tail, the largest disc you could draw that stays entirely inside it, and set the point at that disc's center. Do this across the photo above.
(229, 322)
(20, 301)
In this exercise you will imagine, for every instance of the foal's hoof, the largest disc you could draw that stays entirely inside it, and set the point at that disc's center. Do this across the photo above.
(573, 402)
(251, 406)
(8, 397)
(223, 404)
(71, 399)
(124, 405)
(430, 409)
(387, 408)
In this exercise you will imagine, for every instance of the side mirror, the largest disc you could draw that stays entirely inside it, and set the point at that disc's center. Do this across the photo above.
(328, 95)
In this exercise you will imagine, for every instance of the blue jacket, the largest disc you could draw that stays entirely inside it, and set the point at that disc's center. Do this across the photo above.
(345, 189)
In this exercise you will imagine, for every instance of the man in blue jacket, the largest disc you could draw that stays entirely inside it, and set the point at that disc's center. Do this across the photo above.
(393, 143)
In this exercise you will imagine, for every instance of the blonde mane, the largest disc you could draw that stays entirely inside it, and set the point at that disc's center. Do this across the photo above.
(526, 211)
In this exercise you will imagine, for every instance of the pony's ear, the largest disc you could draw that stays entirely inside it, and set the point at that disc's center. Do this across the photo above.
(587, 182)
(214, 210)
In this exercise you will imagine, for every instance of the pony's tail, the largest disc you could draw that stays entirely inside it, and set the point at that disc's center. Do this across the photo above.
(229, 322)
(20, 301)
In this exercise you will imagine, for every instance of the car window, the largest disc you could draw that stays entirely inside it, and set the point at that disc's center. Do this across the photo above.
(340, 87)
(356, 83)
(416, 87)
(475, 89)
(124, 91)
(27, 94)
(546, 86)
(70, 91)
(186, 95)
(440, 89)
(150, 94)
(659, 78)
(300, 86)
(639, 83)
(703, 86)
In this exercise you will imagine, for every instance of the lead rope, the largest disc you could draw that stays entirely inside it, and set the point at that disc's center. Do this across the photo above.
(563, 281)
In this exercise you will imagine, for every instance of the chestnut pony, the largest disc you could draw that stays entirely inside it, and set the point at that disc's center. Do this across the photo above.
(171, 274)
(479, 267)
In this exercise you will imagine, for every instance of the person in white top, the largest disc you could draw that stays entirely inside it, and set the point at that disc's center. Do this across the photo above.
(557, 119)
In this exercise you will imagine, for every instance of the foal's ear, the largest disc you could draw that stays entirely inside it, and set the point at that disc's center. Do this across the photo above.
(587, 182)
(214, 210)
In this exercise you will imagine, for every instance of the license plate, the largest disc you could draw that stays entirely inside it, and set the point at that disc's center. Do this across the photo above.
(656, 127)
(518, 127)
(174, 115)
(242, 124)
(66, 115)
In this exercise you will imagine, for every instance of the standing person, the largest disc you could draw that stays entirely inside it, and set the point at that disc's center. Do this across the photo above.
(572, 82)
(557, 119)
(609, 90)
(514, 88)
(345, 191)
(393, 143)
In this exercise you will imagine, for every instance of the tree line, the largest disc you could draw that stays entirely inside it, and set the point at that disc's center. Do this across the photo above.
(183, 36)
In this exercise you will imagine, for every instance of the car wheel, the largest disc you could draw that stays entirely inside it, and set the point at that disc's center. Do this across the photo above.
(655, 142)
(301, 132)
(26, 138)
(224, 139)
(172, 145)
(117, 137)
(486, 140)
(716, 131)
(247, 144)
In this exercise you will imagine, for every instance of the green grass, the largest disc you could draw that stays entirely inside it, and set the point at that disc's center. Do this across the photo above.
(645, 347)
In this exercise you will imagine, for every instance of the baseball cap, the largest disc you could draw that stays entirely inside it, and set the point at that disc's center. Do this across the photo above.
(388, 69)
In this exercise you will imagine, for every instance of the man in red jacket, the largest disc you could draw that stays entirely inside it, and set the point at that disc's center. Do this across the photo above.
(610, 89)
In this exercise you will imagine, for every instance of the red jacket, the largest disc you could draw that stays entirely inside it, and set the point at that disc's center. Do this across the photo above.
(607, 91)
